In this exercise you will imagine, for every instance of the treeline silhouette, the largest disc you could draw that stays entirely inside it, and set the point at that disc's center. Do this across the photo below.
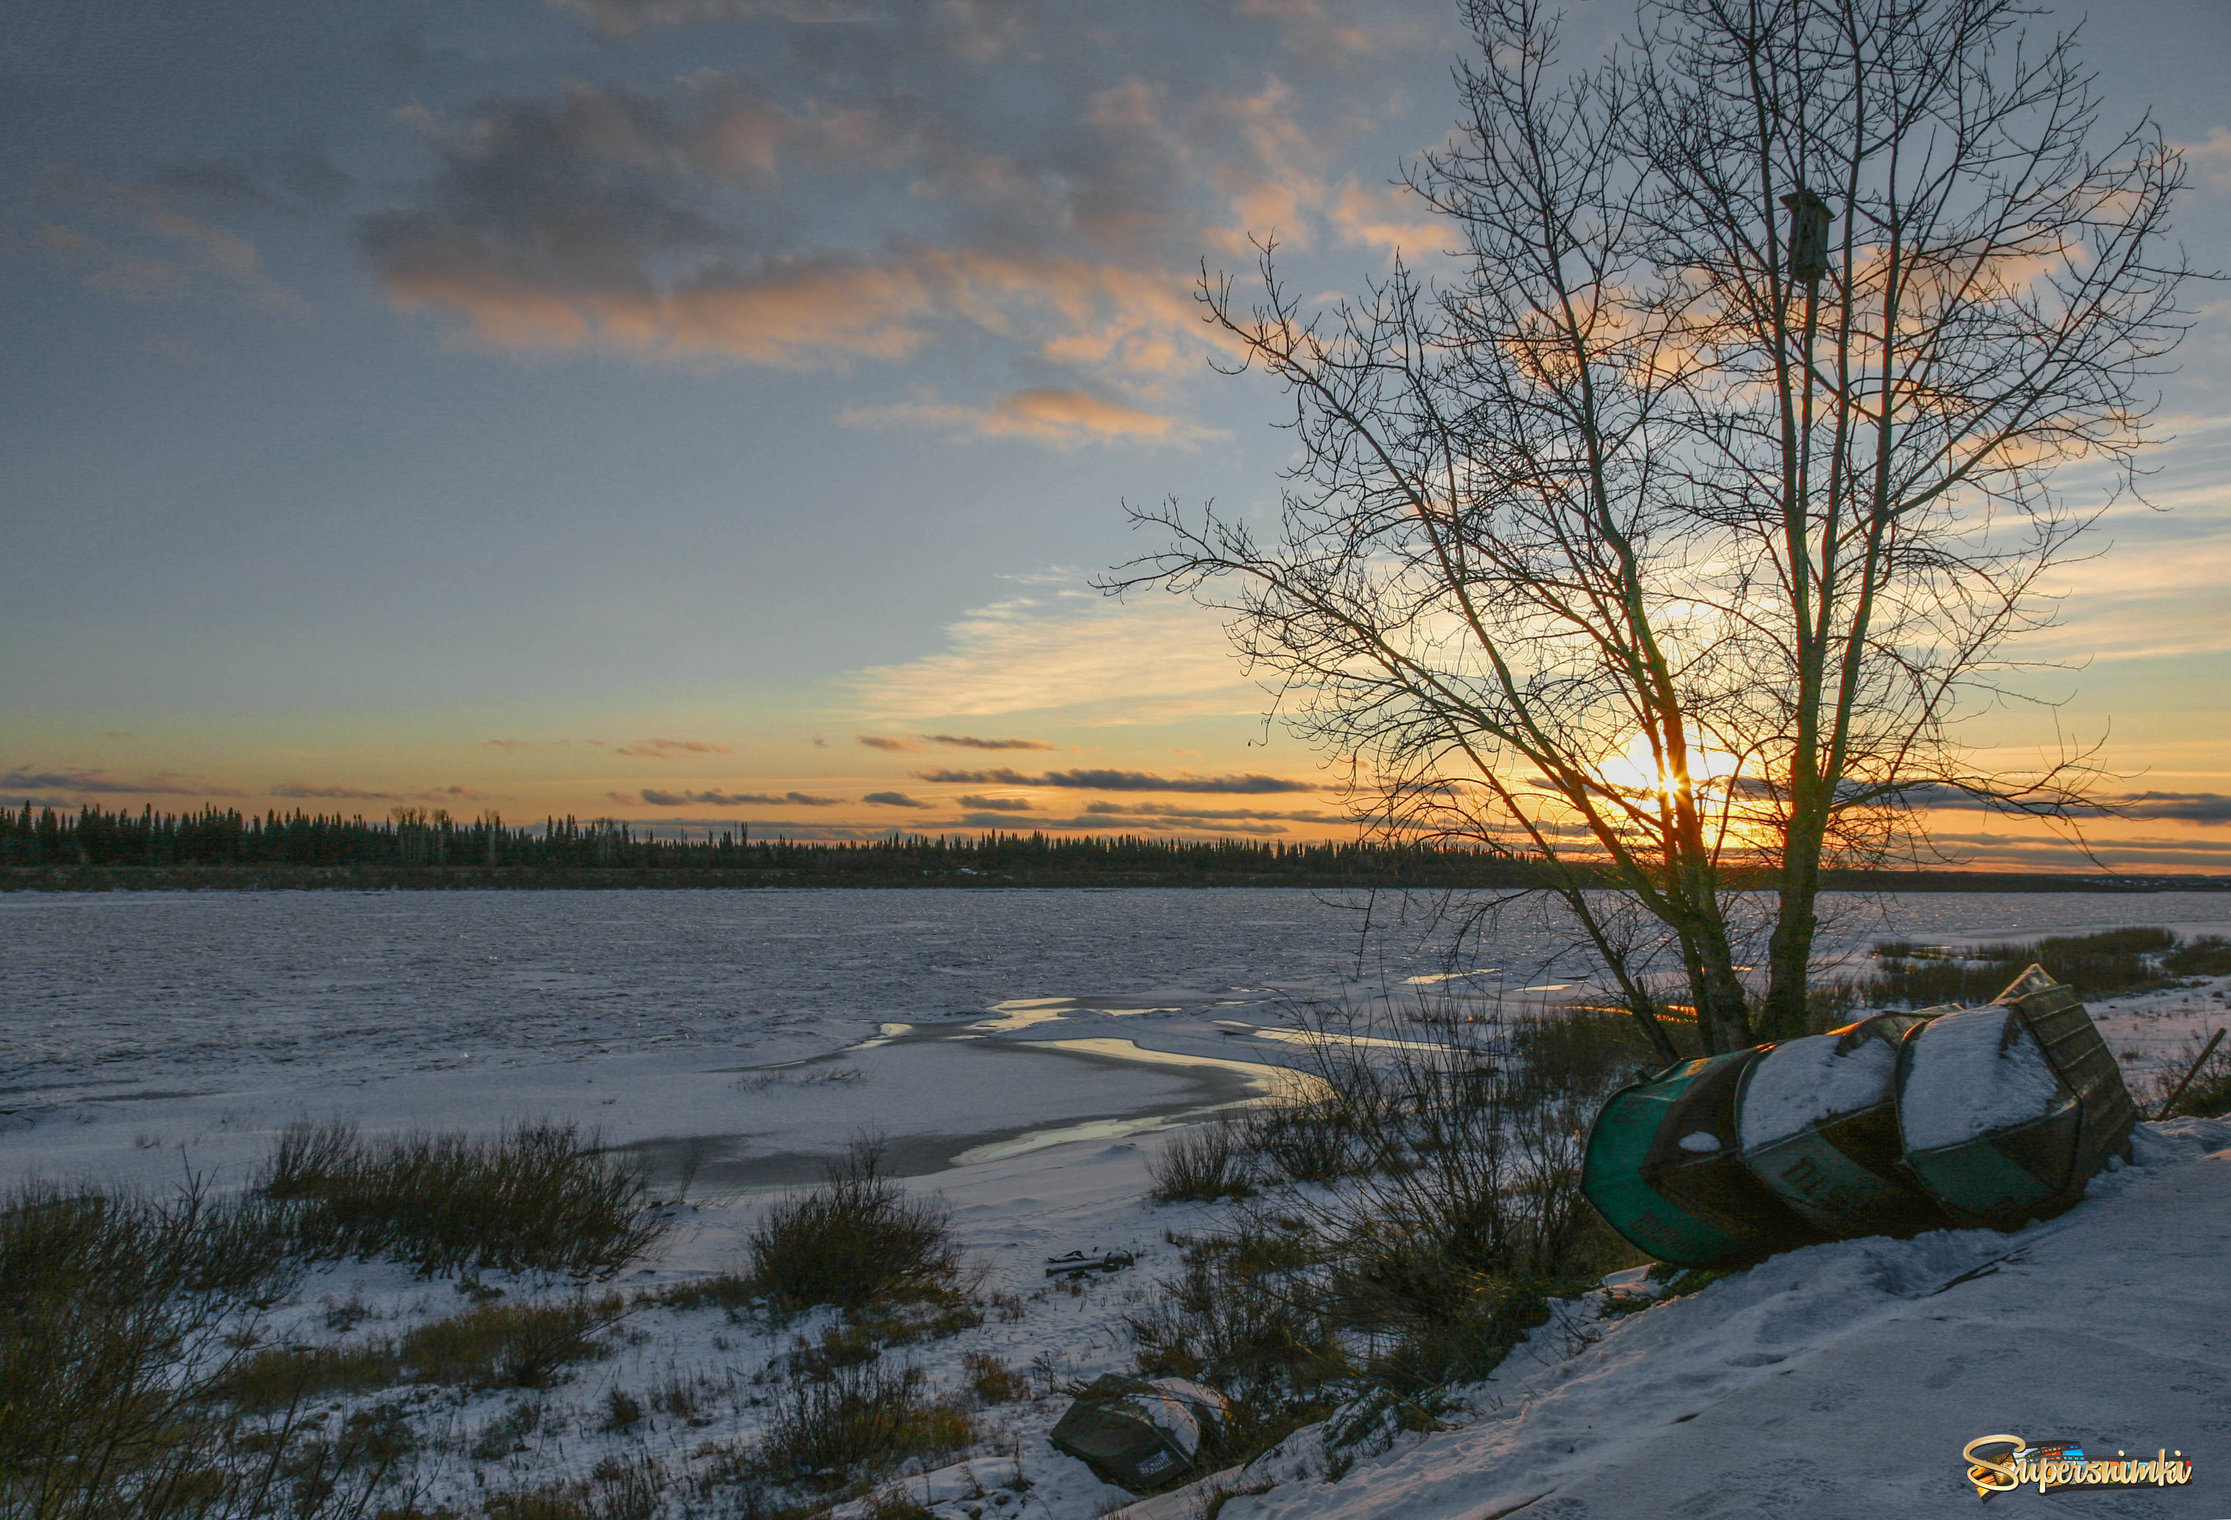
(95, 849)
(414, 846)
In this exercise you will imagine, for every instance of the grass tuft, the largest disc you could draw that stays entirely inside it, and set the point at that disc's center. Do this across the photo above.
(858, 1422)
(1204, 1163)
(537, 1197)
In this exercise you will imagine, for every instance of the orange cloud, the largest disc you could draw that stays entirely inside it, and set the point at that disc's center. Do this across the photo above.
(666, 749)
(1051, 416)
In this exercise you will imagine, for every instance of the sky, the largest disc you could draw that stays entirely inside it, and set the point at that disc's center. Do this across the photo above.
(713, 413)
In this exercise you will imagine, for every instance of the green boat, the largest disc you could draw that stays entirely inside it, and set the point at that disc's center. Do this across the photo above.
(1664, 1169)
(2010, 1174)
(1845, 1172)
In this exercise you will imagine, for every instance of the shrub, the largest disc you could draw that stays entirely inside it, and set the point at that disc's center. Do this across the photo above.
(859, 1421)
(857, 1241)
(121, 1320)
(1299, 1136)
(1583, 1053)
(534, 1198)
(1205, 1162)
(1452, 1216)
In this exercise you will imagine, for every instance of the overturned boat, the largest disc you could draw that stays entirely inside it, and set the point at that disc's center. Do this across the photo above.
(1900, 1123)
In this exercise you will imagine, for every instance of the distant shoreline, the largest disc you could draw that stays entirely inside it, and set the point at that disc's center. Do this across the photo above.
(1490, 875)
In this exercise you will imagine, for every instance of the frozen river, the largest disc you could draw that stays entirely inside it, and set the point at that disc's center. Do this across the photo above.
(182, 1016)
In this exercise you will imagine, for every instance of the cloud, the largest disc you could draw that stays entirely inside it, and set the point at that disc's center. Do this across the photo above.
(100, 782)
(2176, 807)
(1393, 219)
(865, 190)
(1201, 815)
(304, 789)
(508, 746)
(666, 749)
(888, 743)
(718, 797)
(2210, 158)
(1098, 823)
(1092, 658)
(150, 249)
(1125, 781)
(996, 804)
(970, 741)
(894, 799)
(2181, 807)
(1063, 417)
(619, 20)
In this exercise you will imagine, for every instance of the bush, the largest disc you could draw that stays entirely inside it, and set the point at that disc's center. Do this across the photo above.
(857, 1241)
(121, 1320)
(1300, 1136)
(859, 1421)
(1205, 1162)
(535, 1198)
(1585, 1053)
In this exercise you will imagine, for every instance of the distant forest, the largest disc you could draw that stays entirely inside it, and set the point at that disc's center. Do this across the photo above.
(94, 850)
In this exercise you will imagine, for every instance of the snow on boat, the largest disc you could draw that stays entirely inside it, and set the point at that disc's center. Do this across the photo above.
(2006, 1111)
(1817, 1119)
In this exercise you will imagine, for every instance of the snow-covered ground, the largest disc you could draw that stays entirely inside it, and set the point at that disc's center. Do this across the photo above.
(1844, 1380)
(1023, 1054)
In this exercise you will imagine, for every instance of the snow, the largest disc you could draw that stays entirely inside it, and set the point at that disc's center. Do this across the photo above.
(1702, 1142)
(1801, 1082)
(1974, 1071)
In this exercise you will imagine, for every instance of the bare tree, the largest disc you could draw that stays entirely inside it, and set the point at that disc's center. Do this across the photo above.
(1668, 552)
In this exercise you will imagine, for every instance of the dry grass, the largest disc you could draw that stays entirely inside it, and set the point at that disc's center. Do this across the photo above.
(1205, 1163)
(858, 1422)
(538, 1197)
